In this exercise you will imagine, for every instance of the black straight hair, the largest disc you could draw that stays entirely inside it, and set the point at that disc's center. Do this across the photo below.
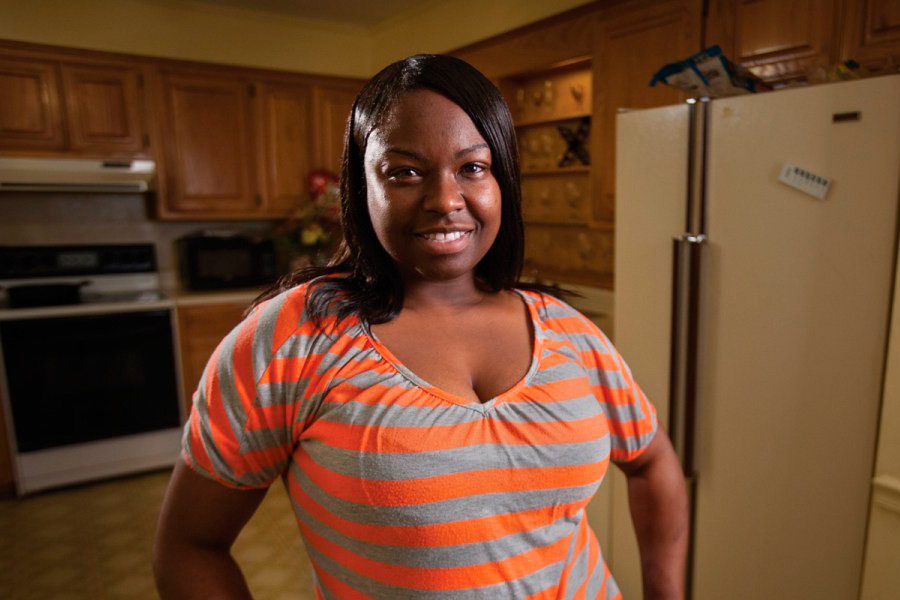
(362, 278)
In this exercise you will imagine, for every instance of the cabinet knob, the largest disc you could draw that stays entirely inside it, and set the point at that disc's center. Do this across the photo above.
(548, 95)
(545, 197)
(577, 92)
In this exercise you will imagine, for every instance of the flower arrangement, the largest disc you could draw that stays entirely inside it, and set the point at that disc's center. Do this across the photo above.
(309, 236)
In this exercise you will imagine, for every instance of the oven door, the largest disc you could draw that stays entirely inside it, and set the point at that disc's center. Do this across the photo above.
(91, 395)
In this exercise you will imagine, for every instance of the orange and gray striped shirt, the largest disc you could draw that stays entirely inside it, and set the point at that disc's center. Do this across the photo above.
(402, 490)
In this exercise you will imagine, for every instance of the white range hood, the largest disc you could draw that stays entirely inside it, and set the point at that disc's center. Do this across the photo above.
(75, 175)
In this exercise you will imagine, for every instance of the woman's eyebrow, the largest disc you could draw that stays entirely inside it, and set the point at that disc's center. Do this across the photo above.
(417, 156)
(473, 148)
(409, 153)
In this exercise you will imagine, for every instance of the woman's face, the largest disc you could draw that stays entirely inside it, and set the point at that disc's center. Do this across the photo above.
(432, 198)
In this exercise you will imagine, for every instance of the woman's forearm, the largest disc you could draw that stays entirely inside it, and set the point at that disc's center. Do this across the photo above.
(659, 510)
(188, 573)
(199, 521)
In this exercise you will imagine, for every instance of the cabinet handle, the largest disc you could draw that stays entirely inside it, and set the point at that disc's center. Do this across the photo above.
(259, 200)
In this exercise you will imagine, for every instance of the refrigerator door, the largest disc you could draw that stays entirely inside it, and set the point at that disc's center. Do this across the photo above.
(651, 197)
(795, 315)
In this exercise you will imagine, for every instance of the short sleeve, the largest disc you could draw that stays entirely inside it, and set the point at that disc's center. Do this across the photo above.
(240, 429)
(630, 416)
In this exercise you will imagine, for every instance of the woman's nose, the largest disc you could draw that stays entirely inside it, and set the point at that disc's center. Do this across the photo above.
(444, 195)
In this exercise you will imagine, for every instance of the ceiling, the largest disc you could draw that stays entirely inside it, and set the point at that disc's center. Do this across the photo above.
(351, 12)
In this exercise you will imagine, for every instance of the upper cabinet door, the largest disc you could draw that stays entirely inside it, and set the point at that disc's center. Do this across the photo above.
(285, 140)
(104, 108)
(872, 37)
(31, 116)
(332, 107)
(779, 41)
(208, 146)
(633, 42)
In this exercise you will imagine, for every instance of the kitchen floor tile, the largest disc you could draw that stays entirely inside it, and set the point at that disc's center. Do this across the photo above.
(93, 542)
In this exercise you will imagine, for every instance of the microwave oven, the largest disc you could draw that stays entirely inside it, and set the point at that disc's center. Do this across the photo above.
(212, 260)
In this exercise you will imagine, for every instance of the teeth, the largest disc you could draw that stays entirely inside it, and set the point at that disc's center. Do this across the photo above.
(444, 237)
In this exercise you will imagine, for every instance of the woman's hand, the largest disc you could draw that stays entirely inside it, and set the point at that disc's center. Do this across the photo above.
(659, 510)
(200, 519)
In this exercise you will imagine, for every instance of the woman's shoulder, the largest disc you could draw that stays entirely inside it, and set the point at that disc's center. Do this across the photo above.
(548, 305)
(560, 319)
(296, 311)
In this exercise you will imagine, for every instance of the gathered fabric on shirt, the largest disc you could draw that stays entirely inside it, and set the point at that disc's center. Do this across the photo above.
(403, 490)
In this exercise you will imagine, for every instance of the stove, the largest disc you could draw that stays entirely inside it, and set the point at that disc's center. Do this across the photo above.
(88, 375)
(41, 277)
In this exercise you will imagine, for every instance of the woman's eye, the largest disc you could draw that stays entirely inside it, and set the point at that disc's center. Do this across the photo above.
(474, 168)
(403, 173)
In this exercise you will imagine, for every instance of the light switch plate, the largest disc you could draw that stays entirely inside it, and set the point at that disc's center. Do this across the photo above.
(805, 180)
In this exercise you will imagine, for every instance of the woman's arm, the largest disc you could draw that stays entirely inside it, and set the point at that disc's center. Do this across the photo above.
(659, 511)
(200, 519)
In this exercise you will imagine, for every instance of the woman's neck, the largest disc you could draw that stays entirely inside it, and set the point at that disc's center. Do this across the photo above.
(443, 295)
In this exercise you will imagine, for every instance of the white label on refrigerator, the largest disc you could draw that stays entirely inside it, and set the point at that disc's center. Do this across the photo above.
(804, 180)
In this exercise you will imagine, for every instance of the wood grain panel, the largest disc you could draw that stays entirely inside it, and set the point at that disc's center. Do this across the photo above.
(332, 106)
(535, 46)
(632, 46)
(555, 95)
(563, 198)
(570, 254)
(208, 144)
(200, 329)
(872, 34)
(105, 109)
(779, 41)
(286, 143)
(31, 114)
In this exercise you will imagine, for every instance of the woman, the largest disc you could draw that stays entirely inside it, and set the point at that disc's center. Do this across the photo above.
(439, 425)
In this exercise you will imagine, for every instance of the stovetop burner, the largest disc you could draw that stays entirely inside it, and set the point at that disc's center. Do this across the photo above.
(47, 276)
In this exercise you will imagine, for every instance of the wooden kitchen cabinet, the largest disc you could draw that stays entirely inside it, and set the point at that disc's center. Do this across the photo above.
(566, 254)
(632, 42)
(603, 59)
(284, 118)
(31, 116)
(207, 147)
(200, 329)
(105, 109)
(778, 41)
(241, 147)
(871, 34)
(332, 108)
(65, 108)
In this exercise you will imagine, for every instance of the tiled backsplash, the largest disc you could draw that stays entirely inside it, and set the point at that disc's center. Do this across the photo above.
(29, 218)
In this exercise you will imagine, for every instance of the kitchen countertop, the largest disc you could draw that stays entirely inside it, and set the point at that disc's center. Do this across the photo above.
(193, 298)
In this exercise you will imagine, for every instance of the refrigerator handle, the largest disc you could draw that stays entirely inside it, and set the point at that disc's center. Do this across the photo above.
(683, 355)
(675, 356)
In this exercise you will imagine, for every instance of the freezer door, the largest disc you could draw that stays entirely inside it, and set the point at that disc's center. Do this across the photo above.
(794, 314)
(795, 318)
(651, 196)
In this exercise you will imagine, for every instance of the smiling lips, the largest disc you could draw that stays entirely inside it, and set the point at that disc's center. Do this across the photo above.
(443, 236)
(445, 242)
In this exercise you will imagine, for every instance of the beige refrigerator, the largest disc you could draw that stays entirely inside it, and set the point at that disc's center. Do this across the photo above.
(755, 257)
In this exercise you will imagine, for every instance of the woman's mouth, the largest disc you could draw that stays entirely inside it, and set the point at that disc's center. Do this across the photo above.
(449, 236)
(445, 242)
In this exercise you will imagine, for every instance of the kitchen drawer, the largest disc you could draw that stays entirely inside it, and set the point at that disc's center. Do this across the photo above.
(200, 329)
(552, 95)
(574, 254)
(563, 198)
